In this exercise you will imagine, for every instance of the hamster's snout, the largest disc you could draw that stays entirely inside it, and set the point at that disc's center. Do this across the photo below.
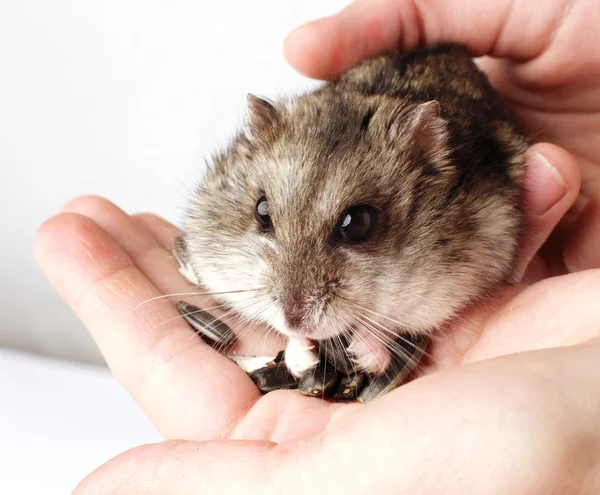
(294, 310)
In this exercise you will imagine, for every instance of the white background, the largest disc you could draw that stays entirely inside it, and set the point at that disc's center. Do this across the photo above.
(122, 98)
(59, 421)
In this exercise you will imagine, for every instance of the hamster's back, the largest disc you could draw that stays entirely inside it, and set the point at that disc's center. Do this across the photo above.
(445, 73)
(481, 131)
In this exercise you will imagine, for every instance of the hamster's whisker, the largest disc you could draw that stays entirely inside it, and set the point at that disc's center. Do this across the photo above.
(338, 341)
(191, 339)
(363, 308)
(248, 322)
(397, 322)
(194, 293)
(359, 324)
(387, 341)
(169, 320)
(466, 324)
(252, 318)
(270, 317)
(243, 325)
(344, 346)
(268, 333)
(224, 315)
(220, 346)
(335, 342)
(393, 335)
(269, 326)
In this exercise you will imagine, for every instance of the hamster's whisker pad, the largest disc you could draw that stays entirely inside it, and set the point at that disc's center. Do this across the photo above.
(365, 215)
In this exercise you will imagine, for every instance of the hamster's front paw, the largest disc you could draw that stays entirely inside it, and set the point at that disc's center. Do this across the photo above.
(370, 354)
(300, 355)
(182, 256)
(398, 361)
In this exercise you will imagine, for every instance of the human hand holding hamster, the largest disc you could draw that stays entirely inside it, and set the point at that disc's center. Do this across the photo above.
(451, 431)
(546, 66)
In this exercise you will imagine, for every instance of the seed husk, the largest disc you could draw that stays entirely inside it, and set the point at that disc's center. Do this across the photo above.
(318, 380)
(274, 377)
(335, 351)
(348, 387)
(213, 330)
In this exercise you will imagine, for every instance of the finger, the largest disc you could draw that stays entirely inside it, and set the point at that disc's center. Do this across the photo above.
(145, 241)
(551, 186)
(582, 246)
(163, 231)
(559, 311)
(181, 468)
(140, 244)
(184, 387)
(505, 29)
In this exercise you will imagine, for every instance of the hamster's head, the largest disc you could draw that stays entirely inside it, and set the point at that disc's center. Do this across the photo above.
(342, 213)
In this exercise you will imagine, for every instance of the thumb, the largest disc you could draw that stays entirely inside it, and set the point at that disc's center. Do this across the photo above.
(551, 185)
(178, 467)
(582, 245)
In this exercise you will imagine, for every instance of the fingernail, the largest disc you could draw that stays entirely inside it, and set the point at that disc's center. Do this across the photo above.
(544, 186)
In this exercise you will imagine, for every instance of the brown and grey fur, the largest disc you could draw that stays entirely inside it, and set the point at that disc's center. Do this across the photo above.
(422, 137)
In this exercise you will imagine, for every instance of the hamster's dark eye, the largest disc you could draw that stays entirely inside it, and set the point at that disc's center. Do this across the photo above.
(261, 212)
(357, 224)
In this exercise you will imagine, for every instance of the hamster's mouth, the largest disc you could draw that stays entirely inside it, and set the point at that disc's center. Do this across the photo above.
(315, 335)
(320, 335)
(323, 332)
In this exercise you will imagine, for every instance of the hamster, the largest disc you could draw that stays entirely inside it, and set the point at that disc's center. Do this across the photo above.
(378, 204)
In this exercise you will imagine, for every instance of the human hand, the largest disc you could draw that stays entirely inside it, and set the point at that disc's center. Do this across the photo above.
(521, 424)
(546, 66)
(106, 264)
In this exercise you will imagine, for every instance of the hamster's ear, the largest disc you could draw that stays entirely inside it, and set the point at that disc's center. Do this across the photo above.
(428, 127)
(424, 130)
(262, 115)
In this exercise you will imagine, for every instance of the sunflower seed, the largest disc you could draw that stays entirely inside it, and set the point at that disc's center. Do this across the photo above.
(273, 377)
(217, 332)
(335, 351)
(348, 387)
(317, 381)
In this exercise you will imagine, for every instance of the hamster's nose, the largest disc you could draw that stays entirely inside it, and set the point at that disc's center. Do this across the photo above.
(293, 310)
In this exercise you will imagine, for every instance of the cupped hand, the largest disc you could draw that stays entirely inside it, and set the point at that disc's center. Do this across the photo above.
(113, 268)
(546, 65)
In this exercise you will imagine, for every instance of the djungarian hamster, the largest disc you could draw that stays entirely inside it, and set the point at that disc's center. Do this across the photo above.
(380, 203)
